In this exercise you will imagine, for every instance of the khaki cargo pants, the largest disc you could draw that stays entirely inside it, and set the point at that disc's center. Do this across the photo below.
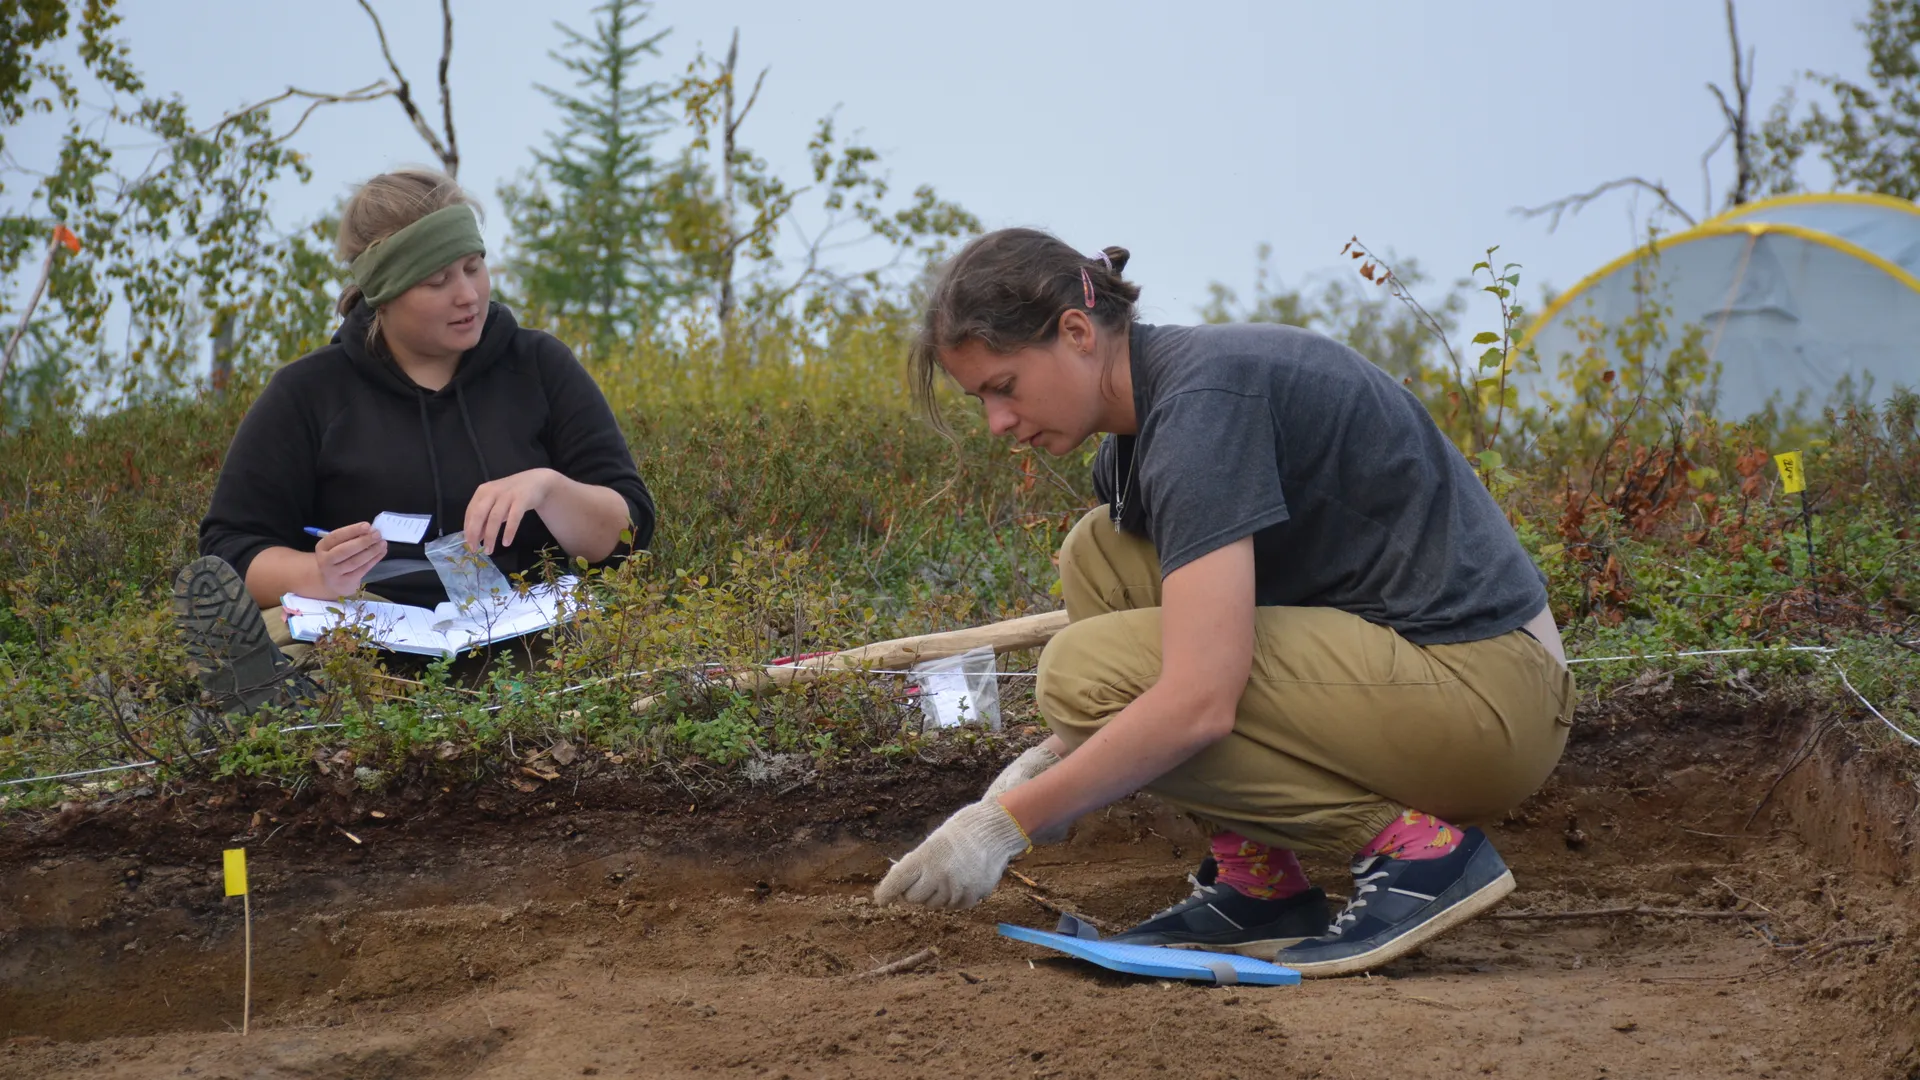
(1344, 723)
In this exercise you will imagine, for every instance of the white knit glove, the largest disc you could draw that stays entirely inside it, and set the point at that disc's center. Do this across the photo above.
(1036, 760)
(960, 863)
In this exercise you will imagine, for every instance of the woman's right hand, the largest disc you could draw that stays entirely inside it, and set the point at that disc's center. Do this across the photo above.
(345, 555)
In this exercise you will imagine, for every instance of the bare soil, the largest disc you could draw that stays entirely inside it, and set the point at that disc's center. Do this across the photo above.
(597, 926)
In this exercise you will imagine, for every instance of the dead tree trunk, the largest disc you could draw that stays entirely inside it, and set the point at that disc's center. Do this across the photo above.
(446, 148)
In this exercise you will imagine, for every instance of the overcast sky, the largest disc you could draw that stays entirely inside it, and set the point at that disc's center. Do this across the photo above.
(1190, 133)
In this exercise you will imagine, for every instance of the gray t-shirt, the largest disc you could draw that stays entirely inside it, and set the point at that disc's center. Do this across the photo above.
(1353, 497)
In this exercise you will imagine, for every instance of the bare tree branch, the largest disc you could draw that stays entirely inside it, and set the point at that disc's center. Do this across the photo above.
(748, 107)
(1736, 116)
(1573, 204)
(403, 92)
(1706, 164)
(452, 156)
(730, 122)
(371, 92)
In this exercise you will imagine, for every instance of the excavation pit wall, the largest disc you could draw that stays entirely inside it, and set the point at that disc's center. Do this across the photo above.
(623, 927)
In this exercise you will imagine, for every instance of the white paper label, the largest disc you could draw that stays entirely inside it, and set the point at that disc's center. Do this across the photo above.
(401, 528)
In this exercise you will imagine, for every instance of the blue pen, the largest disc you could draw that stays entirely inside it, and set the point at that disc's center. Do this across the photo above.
(311, 531)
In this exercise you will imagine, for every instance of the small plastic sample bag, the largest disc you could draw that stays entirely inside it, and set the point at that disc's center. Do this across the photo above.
(963, 689)
(470, 577)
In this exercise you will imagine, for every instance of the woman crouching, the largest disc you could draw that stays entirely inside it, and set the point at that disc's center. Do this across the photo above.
(1299, 616)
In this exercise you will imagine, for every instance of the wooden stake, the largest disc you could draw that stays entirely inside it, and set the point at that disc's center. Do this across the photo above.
(246, 1001)
(234, 862)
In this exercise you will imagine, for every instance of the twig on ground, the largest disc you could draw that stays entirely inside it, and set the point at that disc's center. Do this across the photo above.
(1833, 947)
(1847, 943)
(905, 963)
(1098, 924)
(1640, 909)
(1731, 836)
(1435, 1002)
(1746, 899)
(1028, 882)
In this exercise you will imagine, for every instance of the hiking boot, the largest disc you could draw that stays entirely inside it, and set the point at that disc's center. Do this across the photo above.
(1219, 918)
(227, 639)
(1400, 904)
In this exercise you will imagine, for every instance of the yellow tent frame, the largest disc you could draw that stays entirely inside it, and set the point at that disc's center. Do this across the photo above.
(1727, 224)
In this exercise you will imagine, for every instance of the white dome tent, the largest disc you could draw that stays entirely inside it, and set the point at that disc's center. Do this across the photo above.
(1793, 294)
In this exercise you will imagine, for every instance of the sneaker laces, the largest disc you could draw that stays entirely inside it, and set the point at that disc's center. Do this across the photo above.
(1199, 890)
(1363, 883)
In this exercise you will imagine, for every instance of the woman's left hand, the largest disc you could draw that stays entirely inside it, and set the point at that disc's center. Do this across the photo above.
(494, 512)
(960, 863)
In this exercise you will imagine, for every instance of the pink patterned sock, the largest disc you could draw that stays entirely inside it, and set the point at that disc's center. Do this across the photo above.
(1414, 835)
(1254, 869)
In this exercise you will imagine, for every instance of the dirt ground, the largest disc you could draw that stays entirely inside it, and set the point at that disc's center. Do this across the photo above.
(568, 934)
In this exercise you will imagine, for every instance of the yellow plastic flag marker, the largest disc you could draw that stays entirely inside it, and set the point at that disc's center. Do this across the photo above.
(1793, 477)
(236, 862)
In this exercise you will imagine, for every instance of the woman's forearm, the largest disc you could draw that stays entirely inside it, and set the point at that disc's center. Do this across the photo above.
(586, 519)
(1206, 622)
(1159, 730)
(280, 570)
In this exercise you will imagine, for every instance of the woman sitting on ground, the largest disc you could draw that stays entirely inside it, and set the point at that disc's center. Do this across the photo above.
(430, 400)
(1300, 617)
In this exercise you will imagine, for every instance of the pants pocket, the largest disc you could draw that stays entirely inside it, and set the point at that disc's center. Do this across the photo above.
(1569, 697)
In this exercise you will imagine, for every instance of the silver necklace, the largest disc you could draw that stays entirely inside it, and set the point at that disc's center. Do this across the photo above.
(1120, 500)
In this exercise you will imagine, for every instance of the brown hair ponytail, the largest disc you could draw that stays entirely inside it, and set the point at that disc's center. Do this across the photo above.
(1007, 291)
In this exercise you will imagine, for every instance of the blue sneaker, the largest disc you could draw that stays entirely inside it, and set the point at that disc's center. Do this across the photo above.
(1219, 918)
(1399, 905)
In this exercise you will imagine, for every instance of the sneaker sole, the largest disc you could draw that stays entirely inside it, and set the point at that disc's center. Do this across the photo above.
(1264, 949)
(1478, 903)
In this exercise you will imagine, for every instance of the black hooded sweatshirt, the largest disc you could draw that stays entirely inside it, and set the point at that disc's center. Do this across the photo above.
(341, 435)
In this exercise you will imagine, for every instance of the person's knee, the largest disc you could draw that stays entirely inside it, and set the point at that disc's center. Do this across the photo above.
(1082, 542)
(1057, 680)
(1084, 678)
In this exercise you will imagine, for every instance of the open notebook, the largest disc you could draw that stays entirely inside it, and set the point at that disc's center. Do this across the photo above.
(443, 631)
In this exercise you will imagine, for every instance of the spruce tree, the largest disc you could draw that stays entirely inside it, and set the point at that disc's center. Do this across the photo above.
(589, 245)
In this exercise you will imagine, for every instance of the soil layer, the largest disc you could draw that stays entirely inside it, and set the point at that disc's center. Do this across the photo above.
(598, 925)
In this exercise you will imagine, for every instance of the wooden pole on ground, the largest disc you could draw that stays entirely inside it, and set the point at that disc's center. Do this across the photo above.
(1026, 632)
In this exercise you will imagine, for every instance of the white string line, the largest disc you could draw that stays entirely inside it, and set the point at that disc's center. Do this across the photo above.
(107, 769)
(1863, 700)
(1700, 652)
(1823, 650)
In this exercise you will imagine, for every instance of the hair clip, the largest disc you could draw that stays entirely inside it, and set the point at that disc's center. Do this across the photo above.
(1102, 256)
(1086, 283)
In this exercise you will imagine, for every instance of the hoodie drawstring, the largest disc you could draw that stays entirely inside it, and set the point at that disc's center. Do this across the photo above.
(433, 466)
(433, 459)
(460, 398)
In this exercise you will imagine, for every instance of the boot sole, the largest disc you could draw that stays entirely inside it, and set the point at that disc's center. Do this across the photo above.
(1475, 904)
(225, 635)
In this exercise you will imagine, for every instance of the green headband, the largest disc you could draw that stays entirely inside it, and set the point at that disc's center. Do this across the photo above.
(394, 264)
